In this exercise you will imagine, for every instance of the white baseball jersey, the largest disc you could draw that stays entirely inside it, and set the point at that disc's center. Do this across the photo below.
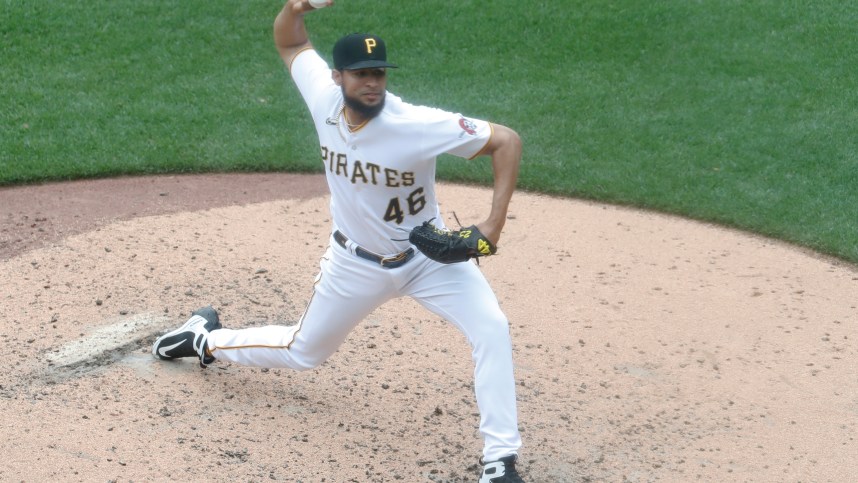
(382, 176)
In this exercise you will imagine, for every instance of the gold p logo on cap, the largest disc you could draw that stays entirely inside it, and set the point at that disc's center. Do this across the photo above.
(360, 51)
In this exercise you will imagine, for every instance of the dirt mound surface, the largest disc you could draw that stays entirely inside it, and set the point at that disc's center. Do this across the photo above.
(647, 347)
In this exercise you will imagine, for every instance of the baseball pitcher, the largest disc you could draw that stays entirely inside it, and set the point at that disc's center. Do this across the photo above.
(387, 236)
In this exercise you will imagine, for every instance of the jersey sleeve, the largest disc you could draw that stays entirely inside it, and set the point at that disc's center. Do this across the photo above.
(312, 76)
(455, 134)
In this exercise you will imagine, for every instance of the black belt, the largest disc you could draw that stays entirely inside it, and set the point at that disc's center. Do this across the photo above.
(394, 261)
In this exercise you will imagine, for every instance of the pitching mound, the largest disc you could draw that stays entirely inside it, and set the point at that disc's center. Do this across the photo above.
(647, 347)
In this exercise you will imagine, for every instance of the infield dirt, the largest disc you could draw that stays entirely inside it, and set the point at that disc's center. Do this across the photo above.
(647, 347)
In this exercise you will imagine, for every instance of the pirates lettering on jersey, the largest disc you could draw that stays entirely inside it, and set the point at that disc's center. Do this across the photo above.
(371, 173)
(365, 172)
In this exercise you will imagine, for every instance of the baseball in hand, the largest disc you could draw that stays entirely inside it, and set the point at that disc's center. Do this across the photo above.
(319, 3)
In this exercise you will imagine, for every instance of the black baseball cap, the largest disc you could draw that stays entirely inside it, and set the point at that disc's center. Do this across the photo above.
(360, 51)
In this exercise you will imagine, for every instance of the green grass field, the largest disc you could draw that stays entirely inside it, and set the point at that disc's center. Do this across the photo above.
(737, 112)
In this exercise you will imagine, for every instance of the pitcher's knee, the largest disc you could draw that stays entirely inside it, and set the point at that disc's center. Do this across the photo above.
(307, 362)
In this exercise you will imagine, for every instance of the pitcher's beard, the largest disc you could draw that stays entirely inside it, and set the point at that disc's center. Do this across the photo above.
(364, 110)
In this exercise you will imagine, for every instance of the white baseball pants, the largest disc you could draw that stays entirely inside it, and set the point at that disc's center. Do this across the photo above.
(348, 288)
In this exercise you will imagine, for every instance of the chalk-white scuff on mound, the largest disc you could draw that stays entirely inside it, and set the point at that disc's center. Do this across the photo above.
(107, 338)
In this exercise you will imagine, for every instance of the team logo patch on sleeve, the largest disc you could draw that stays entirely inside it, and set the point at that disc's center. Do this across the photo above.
(468, 126)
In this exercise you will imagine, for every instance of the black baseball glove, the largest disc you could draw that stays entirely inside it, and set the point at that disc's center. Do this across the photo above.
(447, 246)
